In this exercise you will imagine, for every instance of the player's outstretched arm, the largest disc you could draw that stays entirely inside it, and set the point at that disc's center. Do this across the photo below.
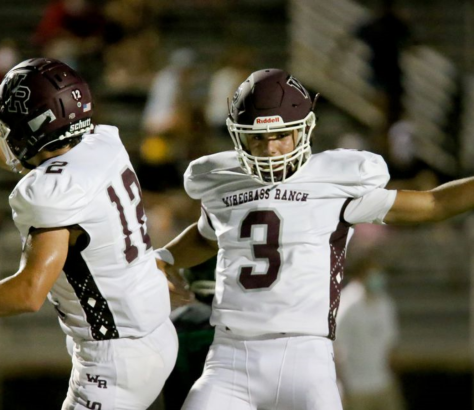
(42, 261)
(190, 248)
(443, 202)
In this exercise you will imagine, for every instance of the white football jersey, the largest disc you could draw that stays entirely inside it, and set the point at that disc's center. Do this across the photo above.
(282, 247)
(110, 286)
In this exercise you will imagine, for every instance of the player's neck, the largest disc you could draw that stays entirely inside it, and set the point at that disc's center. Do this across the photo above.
(42, 156)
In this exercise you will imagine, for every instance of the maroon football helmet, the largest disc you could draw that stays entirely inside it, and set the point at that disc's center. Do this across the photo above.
(41, 101)
(271, 100)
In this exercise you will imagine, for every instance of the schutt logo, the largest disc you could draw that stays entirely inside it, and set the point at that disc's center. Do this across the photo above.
(80, 125)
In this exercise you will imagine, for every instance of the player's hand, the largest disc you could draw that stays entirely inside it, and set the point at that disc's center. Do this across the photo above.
(162, 265)
(180, 294)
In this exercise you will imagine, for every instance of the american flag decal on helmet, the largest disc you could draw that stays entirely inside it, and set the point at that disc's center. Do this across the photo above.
(293, 82)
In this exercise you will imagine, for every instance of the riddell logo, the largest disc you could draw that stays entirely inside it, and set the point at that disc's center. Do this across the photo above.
(268, 120)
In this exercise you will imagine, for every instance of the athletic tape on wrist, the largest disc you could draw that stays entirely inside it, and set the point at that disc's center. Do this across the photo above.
(164, 255)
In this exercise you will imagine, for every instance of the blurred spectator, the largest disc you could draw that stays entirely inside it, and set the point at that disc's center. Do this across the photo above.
(9, 56)
(387, 35)
(235, 68)
(352, 140)
(132, 43)
(367, 333)
(402, 145)
(168, 123)
(407, 169)
(167, 110)
(71, 31)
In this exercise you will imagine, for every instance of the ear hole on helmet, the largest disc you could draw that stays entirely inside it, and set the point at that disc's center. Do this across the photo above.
(63, 110)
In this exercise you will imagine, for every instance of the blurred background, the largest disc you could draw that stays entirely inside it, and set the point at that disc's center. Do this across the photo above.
(395, 78)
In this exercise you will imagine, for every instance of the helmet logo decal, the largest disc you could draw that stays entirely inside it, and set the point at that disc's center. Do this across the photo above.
(76, 94)
(236, 96)
(80, 125)
(19, 95)
(293, 82)
(276, 119)
(42, 119)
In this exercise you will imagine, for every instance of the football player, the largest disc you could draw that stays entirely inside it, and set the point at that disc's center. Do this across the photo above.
(85, 243)
(279, 220)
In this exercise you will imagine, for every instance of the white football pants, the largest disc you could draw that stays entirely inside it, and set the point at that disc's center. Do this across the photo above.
(274, 372)
(121, 374)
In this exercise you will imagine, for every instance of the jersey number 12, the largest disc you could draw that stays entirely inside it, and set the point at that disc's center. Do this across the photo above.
(129, 179)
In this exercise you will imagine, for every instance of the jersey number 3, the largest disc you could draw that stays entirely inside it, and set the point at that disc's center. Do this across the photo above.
(268, 250)
(129, 179)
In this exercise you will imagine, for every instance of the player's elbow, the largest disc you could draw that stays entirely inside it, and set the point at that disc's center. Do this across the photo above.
(440, 211)
(31, 299)
(435, 211)
(444, 207)
(431, 216)
(32, 304)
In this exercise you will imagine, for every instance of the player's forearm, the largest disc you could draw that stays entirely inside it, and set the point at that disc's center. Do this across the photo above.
(17, 296)
(453, 198)
(445, 201)
(190, 248)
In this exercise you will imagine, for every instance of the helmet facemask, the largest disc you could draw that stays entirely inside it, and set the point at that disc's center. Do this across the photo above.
(10, 158)
(273, 170)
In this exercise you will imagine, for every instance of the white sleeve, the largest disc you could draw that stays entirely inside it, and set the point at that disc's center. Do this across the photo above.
(373, 171)
(370, 208)
(48, 203)
(205, 227)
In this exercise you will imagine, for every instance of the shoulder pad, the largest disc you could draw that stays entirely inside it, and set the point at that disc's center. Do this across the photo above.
(354, 172)
(47, 202)
(201, 173)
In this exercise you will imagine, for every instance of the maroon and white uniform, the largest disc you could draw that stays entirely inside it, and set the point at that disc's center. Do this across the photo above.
(282, 247)
(112, 301)
(279, 273)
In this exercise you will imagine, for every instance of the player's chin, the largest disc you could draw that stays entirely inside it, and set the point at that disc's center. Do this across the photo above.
(275, 176)
(278, 175)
